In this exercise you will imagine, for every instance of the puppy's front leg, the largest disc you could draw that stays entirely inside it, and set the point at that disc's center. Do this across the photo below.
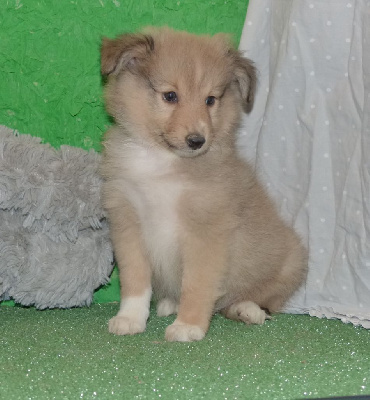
(204, 263)
(135, 275)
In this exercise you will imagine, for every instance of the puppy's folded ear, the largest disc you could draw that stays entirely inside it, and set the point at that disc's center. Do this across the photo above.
(246, 77)
(126, 51)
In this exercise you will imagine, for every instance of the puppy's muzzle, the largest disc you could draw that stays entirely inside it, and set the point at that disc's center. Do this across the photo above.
(195, 141)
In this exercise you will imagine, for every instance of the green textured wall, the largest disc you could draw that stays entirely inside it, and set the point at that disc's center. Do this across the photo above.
(49, 62)
(49, 57)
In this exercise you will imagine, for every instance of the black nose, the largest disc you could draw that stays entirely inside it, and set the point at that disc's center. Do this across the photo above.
(195, 141)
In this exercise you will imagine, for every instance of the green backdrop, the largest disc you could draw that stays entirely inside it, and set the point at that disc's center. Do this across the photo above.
(49, 57)
(49, 62)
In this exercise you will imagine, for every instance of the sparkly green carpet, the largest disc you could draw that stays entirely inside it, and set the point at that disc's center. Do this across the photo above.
(69, 354)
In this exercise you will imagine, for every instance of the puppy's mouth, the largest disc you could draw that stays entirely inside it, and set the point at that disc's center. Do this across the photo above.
(192, 146)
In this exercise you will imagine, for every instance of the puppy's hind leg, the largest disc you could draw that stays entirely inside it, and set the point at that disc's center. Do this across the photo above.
(166, 307)
(247, 312)
(135, 275)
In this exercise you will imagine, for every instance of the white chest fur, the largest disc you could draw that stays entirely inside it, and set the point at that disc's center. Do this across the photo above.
(154, 191)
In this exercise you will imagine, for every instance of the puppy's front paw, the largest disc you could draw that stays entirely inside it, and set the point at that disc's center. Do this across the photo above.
(180, 332)
(120, 325)
(166, 307)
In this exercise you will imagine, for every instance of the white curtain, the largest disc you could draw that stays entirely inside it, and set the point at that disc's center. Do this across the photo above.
(309, 138)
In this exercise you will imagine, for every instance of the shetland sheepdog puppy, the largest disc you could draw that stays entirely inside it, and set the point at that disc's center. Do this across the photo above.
(189, 221)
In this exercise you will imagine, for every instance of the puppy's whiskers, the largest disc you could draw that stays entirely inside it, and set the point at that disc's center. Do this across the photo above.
(217, 147)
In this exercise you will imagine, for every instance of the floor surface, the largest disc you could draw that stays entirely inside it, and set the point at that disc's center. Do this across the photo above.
(69, 354)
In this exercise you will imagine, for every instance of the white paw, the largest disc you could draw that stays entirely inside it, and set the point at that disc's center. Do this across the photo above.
(166, 307)
(250, 312)
(179, 332)
(120, 325)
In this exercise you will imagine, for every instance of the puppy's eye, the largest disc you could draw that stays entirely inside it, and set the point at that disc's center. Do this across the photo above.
(210, 100)
(171, 97)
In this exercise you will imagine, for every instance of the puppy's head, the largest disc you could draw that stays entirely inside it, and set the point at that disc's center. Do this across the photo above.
(181, 91)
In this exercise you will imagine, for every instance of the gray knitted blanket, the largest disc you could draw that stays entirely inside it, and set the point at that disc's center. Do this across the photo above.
(54, 240)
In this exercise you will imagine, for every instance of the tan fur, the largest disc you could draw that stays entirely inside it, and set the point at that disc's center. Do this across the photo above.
(194, 224)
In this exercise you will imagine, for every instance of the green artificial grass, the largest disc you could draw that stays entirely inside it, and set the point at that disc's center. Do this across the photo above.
(69, 354)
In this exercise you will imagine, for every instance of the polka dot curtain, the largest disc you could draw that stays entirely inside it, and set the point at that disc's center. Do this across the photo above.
(309, 138)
